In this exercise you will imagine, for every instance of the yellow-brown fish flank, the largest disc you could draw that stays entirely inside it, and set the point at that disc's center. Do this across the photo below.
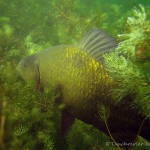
(84, 77)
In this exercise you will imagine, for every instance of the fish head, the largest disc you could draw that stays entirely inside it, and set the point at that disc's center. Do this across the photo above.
(28, 68)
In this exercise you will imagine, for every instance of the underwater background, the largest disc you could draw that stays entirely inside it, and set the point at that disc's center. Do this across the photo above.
(30, 120)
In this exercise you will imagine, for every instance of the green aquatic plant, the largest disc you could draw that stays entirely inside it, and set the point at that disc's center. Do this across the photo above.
(127, 64)
(74, 20)
(29, 111)
(31, 46)
(22, 109)
(47, 140)
(135, 43)
(104, 113)
(20, 130)
(126, 74)
(86, 138)
(7, 30)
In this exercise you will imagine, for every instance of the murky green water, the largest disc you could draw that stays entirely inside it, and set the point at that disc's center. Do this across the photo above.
(31, 111)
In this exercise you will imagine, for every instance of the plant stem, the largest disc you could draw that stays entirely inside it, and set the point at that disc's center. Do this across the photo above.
(111, 135)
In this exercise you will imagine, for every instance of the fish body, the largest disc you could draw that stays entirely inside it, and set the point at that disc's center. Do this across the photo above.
(84, 84)
(82, 77)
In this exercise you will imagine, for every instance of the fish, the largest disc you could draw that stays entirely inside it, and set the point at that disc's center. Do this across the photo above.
(78, 73)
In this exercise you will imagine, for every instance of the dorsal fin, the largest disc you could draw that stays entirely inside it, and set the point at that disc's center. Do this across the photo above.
(97, 42)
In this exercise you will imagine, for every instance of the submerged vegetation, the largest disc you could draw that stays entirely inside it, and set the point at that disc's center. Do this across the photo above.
(129, 65)
(31, 120)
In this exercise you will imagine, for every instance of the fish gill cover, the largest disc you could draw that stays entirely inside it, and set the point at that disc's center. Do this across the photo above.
(31, 120)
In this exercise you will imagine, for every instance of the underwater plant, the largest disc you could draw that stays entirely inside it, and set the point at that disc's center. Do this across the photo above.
(128, 65)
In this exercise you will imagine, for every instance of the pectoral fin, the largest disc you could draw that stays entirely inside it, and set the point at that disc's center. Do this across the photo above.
(66, 123)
